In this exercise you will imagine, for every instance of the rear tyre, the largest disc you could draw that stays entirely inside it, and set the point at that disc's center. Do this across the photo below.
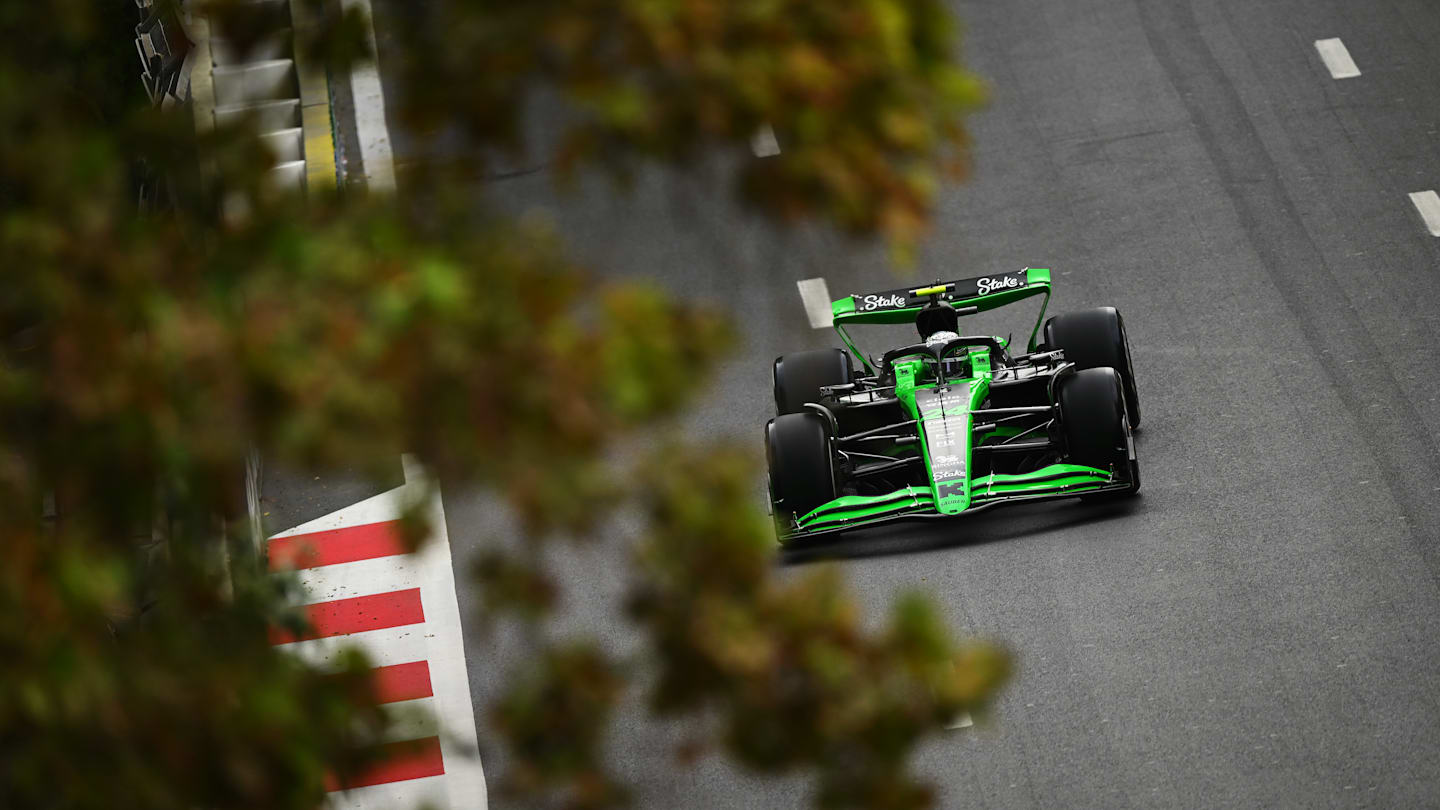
(1095, 338)
(802, 467)
(1092, 415)
(800, 375)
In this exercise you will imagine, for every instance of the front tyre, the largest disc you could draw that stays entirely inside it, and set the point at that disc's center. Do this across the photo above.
(1096, 338)
(798, 448)
(1092, 416)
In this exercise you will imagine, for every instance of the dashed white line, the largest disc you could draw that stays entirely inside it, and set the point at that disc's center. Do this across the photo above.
(1428, 204)
(962, 720)
(1337, 58)
(816, 296)
(763, 142)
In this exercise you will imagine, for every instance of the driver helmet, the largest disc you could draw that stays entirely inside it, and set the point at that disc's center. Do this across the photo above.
(940, 338)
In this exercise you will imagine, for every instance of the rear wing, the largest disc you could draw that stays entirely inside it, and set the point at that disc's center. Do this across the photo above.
(983, 293)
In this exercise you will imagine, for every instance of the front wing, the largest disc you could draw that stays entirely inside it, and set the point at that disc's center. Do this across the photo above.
(918, 503)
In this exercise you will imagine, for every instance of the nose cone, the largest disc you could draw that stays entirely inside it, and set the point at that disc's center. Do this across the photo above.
(945, 422)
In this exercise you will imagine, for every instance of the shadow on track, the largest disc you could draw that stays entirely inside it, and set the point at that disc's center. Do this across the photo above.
(991, 526)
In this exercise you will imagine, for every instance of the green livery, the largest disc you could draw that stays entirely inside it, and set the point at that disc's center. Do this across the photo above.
(952, 424)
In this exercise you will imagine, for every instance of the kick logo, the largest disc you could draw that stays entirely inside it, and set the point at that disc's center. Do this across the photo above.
(952, 490)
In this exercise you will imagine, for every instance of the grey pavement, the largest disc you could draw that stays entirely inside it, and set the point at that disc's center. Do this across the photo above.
(1261, 627)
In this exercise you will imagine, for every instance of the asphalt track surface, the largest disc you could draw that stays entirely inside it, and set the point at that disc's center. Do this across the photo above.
(1261, 627)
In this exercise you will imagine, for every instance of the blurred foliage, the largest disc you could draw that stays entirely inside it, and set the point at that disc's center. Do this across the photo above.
(864, 96)
(145, 350)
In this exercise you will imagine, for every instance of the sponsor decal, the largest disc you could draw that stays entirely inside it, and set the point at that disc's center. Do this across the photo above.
(946, 466)
(946, 404)
(873, 302)
(949, 291)
(985, 286)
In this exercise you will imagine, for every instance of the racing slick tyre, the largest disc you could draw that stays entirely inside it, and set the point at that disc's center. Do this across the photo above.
(1095, 338)
(802, 466)
(1092, 415)
(799, 376)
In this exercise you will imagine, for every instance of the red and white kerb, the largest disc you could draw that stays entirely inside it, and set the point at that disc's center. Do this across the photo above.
(362, 590)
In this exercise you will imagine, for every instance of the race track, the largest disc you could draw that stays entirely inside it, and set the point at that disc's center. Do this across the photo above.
(1261, 627)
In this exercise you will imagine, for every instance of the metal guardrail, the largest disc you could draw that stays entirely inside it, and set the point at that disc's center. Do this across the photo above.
(271, 83)
(163, 46)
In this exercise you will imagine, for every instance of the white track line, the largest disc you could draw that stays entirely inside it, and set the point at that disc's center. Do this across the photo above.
(962, 720)
(1428, 204)
(428, 792)
(465, 781)
(369, 99)
(815, 294)
(411, 719)
(327, 583)
(386, 647)
(1337, 58)
(763, 142)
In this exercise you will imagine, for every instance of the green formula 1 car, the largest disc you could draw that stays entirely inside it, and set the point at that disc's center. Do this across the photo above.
(952, 424)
